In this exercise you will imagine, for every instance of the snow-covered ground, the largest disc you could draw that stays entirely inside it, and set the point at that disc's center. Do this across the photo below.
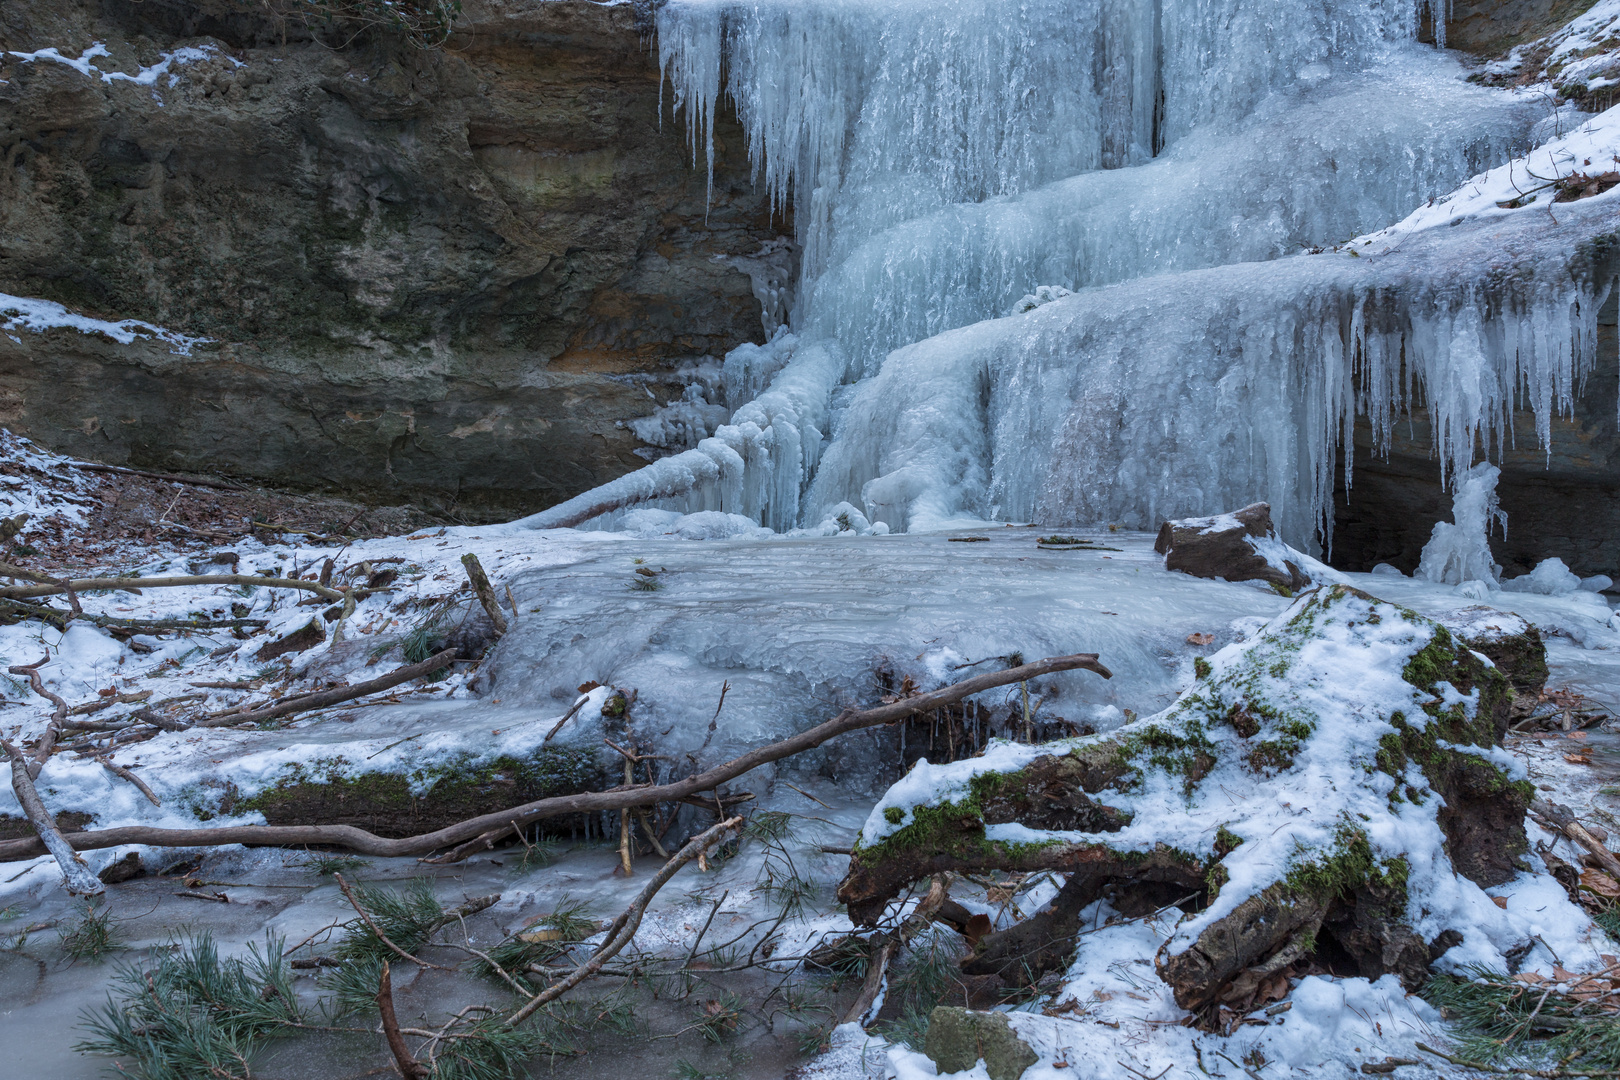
(797, 627)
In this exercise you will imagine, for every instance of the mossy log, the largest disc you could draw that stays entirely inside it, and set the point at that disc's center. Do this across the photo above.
(404, 801)
(1270, 801)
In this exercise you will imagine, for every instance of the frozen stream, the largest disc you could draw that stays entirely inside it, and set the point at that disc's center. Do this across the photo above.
(797, 628)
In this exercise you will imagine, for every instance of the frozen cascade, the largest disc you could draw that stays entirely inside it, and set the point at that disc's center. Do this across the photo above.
(1309, 170)
(1459, 550)
(943, 160)
(1239, 388)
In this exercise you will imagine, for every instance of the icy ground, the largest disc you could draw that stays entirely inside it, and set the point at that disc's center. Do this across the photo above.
(797, 627)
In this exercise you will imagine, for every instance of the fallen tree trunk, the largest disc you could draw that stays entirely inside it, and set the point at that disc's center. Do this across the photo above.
(76, 875)
(323, 698)
(83, 585)
(1277, 772)
(366, 843)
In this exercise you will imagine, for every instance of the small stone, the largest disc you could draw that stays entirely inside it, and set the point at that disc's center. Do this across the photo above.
(124, 869)
(958, 1038)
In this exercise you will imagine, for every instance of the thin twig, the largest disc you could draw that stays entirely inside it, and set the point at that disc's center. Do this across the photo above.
(119, 770)
(409, 1067)
(625, 926)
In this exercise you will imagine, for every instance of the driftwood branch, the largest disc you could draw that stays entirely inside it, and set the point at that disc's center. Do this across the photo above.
(409, 1067)
(82, 585)
(366, 843)
(322, 698)
(625, 926)
(76, 876)
(122, 471)
(484, 591)
(47, 742)
(1560, 819)
(119, 770)
(59, 618)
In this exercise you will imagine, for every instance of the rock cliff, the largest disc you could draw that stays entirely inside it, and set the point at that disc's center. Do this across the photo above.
(446, 276)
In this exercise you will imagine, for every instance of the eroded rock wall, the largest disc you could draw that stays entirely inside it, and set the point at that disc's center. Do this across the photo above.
(444, 276)
(1561, 500)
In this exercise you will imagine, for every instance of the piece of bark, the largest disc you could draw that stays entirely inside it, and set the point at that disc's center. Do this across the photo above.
(1561, 819)
(1221, 547)
(303, 639)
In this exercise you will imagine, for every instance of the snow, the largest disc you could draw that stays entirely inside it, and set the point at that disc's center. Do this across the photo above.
(146, 76)
(22, 313)
(1522, 186)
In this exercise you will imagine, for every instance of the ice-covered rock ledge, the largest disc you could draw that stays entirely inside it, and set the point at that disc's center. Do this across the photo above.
(1338, 778)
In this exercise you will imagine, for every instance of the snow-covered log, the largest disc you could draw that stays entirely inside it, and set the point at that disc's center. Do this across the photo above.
(1336, 778)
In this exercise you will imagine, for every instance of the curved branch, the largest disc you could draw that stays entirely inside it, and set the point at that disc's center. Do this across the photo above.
(367, 843)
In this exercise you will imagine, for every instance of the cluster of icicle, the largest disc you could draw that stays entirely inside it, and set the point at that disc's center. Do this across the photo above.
(945, 157)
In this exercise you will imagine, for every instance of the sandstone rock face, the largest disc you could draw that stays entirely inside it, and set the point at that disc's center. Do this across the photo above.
(444, 276)
(1488, 27)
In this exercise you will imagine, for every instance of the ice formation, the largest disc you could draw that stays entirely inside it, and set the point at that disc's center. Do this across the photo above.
(1459, 550)
(951, 161)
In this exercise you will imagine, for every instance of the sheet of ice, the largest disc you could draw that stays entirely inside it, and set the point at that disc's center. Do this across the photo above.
(800, 627)
(22, 313)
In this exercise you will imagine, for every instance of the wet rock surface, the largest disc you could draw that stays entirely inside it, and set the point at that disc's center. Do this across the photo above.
(441, 276)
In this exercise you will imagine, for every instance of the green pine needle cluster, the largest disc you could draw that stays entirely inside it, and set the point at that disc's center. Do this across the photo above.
(1509, 1022)
(184, 1012)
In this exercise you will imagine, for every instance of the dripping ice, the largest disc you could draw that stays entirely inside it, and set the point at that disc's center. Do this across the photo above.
(945, 159)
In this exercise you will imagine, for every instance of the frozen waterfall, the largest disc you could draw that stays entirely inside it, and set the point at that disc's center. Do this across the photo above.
(1169, 162)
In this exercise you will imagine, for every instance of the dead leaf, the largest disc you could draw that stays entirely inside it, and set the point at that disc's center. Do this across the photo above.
(977, 927)
(1200, 639)
(1582, 758)
(587, 687)
(1599, 882)
(1500, 901)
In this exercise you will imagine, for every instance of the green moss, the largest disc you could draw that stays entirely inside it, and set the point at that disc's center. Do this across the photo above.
(1201, 668)
(1432, 664)
(403, 801)
(953, 827)
(1347, 866)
